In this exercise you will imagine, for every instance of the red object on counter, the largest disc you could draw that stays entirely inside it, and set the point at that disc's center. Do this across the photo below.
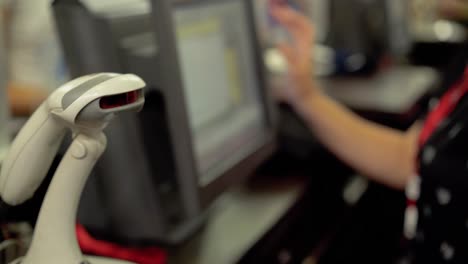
(92, 246)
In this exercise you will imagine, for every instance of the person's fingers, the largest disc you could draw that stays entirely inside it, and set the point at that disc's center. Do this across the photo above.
(283, 12)
(286, 21)
(297, 53)
(297, 25)
(306, 40)
(289, 17)
(288, 52)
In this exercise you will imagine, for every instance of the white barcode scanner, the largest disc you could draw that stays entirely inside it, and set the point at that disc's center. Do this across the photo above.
(85, 106)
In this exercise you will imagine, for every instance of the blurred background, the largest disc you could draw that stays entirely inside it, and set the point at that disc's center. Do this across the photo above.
(214, 169)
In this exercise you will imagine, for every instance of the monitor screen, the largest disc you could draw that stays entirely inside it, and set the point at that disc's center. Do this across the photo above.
(217, 62)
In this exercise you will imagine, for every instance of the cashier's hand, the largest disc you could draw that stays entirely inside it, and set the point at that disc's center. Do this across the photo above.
(298, 53)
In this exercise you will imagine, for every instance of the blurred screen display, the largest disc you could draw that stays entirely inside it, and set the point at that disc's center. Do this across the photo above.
(223, 95)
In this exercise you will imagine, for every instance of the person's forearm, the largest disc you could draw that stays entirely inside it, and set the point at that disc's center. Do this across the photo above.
(381, 153)
(23, 99)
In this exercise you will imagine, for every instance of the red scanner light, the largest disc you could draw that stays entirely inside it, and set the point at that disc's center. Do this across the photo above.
(119, 100)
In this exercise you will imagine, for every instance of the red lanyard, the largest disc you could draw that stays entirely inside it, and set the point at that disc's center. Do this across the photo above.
(445, 107)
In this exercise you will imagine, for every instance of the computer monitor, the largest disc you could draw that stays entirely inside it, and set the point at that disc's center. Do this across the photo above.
(208, 121)
(220, 81)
